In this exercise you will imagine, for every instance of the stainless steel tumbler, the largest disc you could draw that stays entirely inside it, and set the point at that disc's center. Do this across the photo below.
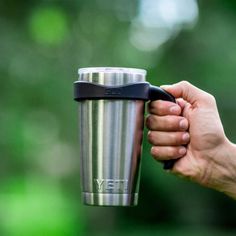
(111, 117)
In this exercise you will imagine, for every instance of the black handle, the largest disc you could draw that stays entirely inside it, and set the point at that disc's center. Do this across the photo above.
(156, 93)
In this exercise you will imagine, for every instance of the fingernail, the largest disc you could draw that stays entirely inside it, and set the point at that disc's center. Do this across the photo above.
(186, 137)
(174, 109)
(183, 124)
(182, 150)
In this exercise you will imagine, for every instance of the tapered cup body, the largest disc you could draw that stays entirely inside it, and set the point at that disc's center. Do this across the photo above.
(110, 140)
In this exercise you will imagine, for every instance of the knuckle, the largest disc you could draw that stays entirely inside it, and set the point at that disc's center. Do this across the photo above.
(184, 83)
(212, 98)
(169, 124)
(151, 122)
(161, 106)
(172, 152)
(173, 123)
(163, 123)
(176, 138)
(153, 105)
(208, 98)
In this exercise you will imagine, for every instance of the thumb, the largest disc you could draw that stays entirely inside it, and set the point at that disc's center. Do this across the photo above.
(187, 91)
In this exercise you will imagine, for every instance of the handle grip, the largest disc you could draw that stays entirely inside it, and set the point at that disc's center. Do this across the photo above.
(156, 93)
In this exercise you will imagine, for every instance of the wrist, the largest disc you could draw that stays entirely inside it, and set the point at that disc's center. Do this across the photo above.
(224, 170)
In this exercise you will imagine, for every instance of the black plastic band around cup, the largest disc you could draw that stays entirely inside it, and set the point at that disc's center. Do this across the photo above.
(86, 90)
(135, 91)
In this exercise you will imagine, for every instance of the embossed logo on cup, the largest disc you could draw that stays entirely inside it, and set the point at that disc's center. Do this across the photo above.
(111, 185)
(113, 91)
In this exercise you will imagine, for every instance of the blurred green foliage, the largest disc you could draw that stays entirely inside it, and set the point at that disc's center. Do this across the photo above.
(42, 44)
(32, 206)
(48, 25)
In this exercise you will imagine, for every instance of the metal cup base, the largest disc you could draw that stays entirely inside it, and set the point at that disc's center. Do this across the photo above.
(108, 199)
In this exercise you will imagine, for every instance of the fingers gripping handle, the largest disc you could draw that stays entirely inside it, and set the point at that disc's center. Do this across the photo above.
(156, 93)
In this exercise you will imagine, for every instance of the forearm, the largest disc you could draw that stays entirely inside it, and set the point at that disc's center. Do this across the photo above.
(223, 174)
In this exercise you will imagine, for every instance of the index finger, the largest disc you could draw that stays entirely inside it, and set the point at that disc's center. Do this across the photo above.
(163, 108)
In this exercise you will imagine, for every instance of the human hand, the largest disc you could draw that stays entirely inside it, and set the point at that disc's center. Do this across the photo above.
(192, 133)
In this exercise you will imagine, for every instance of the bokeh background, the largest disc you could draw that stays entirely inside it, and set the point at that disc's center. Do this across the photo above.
(42, 44)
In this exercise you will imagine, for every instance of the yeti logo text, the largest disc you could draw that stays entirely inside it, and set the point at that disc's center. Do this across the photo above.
(111, 185)
(113, 91)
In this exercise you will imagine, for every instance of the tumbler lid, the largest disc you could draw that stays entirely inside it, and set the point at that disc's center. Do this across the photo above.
(122, 70)
(112, 76)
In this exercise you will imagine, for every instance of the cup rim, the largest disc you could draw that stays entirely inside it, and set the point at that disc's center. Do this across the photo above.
(123, 70)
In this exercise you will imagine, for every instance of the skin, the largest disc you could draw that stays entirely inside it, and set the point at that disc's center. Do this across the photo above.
(192, 133)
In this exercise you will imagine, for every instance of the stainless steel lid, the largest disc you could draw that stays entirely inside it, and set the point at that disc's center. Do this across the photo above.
(111, 75)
